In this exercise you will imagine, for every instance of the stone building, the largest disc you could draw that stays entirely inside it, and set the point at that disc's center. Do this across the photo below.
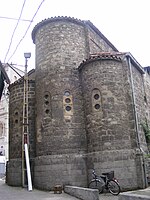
(4, 115)
(86, 105)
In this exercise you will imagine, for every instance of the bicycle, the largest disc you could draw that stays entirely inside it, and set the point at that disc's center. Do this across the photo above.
(105, 181)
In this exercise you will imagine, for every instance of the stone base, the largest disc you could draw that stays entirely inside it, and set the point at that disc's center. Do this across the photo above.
(52, 170)
(13, 172)
(82, 193)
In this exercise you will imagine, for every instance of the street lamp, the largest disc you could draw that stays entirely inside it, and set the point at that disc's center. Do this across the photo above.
(26, 129)
(27, 56)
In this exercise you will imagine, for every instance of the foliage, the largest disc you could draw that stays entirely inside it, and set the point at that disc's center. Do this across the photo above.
(147, 155)
(146, 130)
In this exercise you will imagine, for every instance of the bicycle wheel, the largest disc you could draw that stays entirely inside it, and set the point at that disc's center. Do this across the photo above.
(113, 187)
(96, 184)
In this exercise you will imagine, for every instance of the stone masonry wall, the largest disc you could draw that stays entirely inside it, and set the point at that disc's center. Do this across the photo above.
(60, 129)
(147, 94)
(65, 169)
(15, 130)
(139, 92)
(147, 100)
(109, 125)
(15, 121)
(81, 116)
(55, 74)
(13, 172)
(97, 43)
(16, 117)
(147, 117)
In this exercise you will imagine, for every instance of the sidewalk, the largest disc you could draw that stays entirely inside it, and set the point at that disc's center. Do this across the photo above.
(136, 195)
(18, 193)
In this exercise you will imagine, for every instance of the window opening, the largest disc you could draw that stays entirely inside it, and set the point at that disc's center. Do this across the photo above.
(46, 102)
(67, 100)
(68, 108)
(96, 96)
(96, 100)
(67, 93)
(97, 106)
(46, 96)
(47, 111)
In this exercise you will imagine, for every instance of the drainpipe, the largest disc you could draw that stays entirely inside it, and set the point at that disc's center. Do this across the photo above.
(144, 179)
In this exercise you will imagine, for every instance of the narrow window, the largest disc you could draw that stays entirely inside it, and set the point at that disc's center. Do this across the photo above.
(67, 104)
(96, 100)
(47, 104)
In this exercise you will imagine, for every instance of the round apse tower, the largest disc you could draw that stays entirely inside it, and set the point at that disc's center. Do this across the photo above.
(106, 91)
(14, 165)
(60, 130)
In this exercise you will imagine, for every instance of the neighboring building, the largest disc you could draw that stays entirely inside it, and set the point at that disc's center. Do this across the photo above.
(87, 102)
(4, 115)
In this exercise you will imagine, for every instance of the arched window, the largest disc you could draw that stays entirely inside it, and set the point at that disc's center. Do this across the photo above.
(67, 104)
(47, 104)
(16, 118)
(96, 100)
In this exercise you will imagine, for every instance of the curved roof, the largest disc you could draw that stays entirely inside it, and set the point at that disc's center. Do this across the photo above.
(31, 78)
(118, 56)
(54, 19)
(101, 56)
(85, 23)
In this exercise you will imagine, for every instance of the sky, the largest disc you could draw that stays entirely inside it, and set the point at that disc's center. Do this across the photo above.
(125, 23)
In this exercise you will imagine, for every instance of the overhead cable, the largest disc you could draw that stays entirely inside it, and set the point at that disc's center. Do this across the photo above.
(26, 30)
(11, 18)
(15, 30)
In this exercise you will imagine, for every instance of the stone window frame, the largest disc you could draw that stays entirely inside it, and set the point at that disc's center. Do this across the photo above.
(16, 118)
(96, 100)
(47, 103)
(67, 103)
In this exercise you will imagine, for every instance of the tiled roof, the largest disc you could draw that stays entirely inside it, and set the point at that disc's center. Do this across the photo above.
(86, 23)
(54, 19)
(102, 56)
(107, 55)
(20, 80)
(118, 56)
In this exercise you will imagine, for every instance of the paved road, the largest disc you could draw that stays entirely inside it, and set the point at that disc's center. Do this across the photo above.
(18, 193)
(108, 197)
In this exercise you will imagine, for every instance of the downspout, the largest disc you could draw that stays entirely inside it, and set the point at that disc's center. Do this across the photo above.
(144, 179)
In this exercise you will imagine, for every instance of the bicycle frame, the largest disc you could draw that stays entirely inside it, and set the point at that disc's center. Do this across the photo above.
(106, 181)
(101, 179)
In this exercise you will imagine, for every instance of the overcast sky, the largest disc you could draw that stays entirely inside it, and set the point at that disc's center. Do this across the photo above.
(125, 23)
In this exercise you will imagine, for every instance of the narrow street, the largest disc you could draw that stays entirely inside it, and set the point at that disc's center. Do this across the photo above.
(18, 193)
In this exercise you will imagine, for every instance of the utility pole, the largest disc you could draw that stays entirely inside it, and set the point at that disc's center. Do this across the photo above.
(25, 133)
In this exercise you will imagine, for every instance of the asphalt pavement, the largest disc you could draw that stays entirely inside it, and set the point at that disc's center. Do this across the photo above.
(19, 193)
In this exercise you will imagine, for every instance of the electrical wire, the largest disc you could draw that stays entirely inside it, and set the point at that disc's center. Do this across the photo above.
(15, 30)
(11, 18)
(26, 30)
